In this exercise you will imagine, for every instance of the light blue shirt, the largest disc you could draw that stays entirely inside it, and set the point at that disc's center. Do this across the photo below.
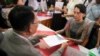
(93, 12)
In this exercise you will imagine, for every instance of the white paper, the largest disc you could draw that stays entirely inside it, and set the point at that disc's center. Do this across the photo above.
(59, 5)
(41, 27)
(54, 40)
(74, 52)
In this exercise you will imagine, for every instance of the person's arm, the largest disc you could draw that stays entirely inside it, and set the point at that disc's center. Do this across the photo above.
(65, 9)
(36, 39)
(64, 29)
(98, 39)
(86, 33)
(77, 41)
(60, 50)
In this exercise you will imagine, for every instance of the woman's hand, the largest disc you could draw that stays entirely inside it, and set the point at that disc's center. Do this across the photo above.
(70, 39)
(65, 44)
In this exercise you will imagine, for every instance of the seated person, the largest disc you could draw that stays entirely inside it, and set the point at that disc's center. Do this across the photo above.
(75, 29)
(58, 21)
(94, 39)
(16, 40)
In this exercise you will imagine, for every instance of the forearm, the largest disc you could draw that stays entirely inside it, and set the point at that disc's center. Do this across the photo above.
(98, 39)
(85, 42)
(58, 52)
(77, 41)
(60, 31)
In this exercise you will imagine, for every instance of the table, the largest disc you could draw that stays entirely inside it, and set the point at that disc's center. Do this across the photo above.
(46, 52)
(44, 19)
(45, 30)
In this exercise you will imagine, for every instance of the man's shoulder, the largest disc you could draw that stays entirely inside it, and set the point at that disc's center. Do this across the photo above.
(8, 33)
(10, 30)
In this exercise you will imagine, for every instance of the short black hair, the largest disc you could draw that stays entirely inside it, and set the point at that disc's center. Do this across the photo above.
(81, 7)
(21, 17)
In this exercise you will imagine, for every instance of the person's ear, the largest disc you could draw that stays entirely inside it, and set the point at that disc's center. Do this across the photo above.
(30, 28)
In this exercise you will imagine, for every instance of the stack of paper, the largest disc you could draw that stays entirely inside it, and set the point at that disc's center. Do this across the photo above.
(59, 5)
(54, 40)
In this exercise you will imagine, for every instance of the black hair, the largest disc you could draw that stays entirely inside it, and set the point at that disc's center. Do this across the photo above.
(21, 17)
(81, 7)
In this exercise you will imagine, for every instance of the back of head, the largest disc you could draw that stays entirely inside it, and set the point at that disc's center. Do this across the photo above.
(21, 17)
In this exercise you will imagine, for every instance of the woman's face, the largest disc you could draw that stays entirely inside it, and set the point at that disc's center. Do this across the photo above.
(77, 14)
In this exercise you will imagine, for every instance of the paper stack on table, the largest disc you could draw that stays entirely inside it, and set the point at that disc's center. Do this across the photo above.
(54, 40)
